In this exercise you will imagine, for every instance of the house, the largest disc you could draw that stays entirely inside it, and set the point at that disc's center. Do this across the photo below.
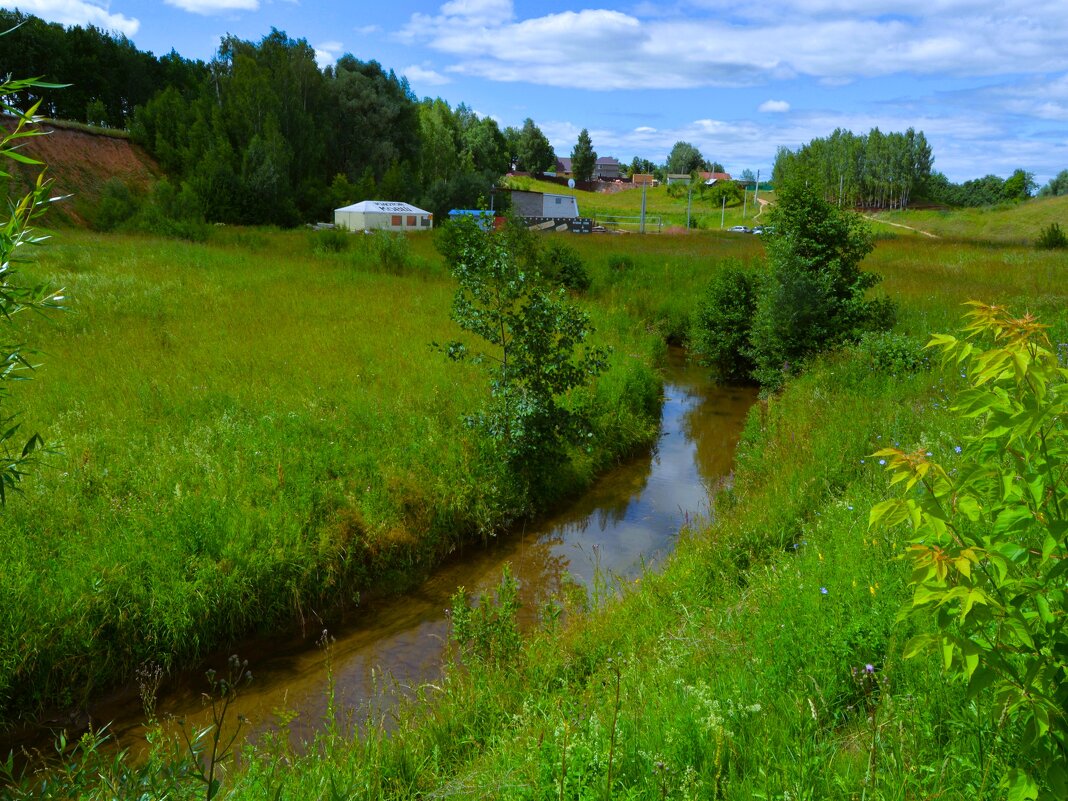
(677, 178)
(536, 204)
(606, 169)
(563, 166)
(714, 177)
(386, 214)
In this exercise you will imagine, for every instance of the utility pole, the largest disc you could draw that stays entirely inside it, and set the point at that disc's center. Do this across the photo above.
(641, 228)
(755, 190)
(689, 199)
(745, 202)
(723, 212)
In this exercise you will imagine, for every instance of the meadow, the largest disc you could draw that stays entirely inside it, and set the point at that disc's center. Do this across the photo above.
(628, 202)
(764, 661)
(248, 433)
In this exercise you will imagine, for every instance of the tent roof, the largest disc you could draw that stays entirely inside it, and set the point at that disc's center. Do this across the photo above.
(383, 207)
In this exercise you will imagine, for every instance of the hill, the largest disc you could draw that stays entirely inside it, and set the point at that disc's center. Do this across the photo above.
(81, 160)
(1006, 223)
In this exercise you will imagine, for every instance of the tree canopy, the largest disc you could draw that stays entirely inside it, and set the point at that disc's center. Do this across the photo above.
(583, 157)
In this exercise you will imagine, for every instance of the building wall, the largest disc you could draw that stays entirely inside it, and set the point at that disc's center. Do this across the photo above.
(360, 221)
(559, 206)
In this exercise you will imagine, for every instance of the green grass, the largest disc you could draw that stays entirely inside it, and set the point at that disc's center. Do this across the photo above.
(1007, 223)
(627, 203)
(731, 674)
(248, 434)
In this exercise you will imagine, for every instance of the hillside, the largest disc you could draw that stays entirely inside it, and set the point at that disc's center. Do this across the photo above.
(80, 162)
(1016, 223)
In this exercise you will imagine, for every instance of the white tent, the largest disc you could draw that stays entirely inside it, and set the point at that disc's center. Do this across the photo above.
(369, 214)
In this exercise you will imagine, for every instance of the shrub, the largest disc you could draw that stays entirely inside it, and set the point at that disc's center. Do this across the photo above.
(330, 240)
(814, 296)
(892, 354)
(721, 328)
(391, 250)
(562, 265)
(989, 549)
(1052, 238)
(117, 205)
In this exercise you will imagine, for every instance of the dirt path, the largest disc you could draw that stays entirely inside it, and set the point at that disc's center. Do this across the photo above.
(899, 225)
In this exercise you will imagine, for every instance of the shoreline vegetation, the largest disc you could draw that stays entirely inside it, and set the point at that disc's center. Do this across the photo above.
(743, 669)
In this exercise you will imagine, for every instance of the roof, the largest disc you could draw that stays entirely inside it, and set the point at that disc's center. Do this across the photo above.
(383, 207)
(607, 160)
(563, 165)
(716, 176)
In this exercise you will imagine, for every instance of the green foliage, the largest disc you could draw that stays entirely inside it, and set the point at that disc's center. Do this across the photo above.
(390, 249)
(330, 240)
(17, 452)
(873, 170)
(583, 157)
(488, 631)
(530, 148)
(620, 262)
(814, 296)
(117, 205)
(723, 320)
(892, 354)
(1052, 238)
(989, 543)
(685, 159)
(563, 265)
(1057, 186)
(534, 344)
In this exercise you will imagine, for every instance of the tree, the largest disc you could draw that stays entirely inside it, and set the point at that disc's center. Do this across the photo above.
(1057, 186)
(533, 341)
(684, 159)
(534, 151)
(583, 157)
(813, 297)
(1019, 186)
(16, 451)
(748, 176)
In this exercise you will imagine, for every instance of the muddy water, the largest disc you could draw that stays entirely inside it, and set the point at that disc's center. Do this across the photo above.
(628, 521)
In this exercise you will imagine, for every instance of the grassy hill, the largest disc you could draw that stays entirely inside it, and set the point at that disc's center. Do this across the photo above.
(628, 202)
(1015, 223)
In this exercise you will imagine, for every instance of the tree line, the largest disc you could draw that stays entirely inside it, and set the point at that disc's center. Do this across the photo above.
(874, 170)
(261, 134)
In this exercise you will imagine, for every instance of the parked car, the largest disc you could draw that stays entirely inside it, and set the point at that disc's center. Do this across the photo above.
(740, 229)
(758, 230)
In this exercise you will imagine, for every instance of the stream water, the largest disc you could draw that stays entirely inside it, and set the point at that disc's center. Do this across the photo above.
(627, 522)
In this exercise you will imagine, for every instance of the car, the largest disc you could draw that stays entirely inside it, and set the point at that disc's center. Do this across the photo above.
(758, 230)
(739, 229)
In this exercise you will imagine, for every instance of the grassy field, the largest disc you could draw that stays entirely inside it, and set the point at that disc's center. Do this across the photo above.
(740, 671)
(627, 203)
(1008, 223)
(250, 433)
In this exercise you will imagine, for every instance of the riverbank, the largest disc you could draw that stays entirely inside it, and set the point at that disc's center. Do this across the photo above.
(251, 433)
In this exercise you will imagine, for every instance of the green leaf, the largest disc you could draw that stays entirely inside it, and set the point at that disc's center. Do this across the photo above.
(919, 643)
(1020, 786)
(947, 653)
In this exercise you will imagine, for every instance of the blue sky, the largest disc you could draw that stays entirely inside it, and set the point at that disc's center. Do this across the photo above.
(987, 81)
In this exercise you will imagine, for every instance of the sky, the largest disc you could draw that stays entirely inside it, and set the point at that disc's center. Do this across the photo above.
(985, 80)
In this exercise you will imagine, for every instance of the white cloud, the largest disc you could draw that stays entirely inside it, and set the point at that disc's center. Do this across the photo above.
(774, 106)
(210, 7)
(80, 12)
(425, 77)
(367, 30)
(327, 53)
(836, 41)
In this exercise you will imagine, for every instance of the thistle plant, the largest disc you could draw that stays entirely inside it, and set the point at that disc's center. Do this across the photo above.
(989, 545)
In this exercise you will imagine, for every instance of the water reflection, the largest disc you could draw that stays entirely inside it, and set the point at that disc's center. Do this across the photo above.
(630, 518)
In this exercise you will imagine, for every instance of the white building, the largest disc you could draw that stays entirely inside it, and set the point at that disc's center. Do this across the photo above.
(392, 216)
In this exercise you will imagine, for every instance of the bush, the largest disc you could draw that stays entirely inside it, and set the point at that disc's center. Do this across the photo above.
(391, 250)
(1052, 238)
(814, 297)
(892, 354)
(722, 324)
(330, 240)
(117, 205)
(562, 265)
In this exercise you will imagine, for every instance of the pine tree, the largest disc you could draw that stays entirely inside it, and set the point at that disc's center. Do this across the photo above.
(583, 157)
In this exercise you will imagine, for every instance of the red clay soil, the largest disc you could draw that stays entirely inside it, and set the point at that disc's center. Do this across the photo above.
(80, 163)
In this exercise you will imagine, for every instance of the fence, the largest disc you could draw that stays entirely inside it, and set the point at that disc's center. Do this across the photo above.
(654, 223)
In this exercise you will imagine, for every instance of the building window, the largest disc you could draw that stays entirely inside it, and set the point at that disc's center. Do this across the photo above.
(411, 220)
(425, 222)
(396, 220)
